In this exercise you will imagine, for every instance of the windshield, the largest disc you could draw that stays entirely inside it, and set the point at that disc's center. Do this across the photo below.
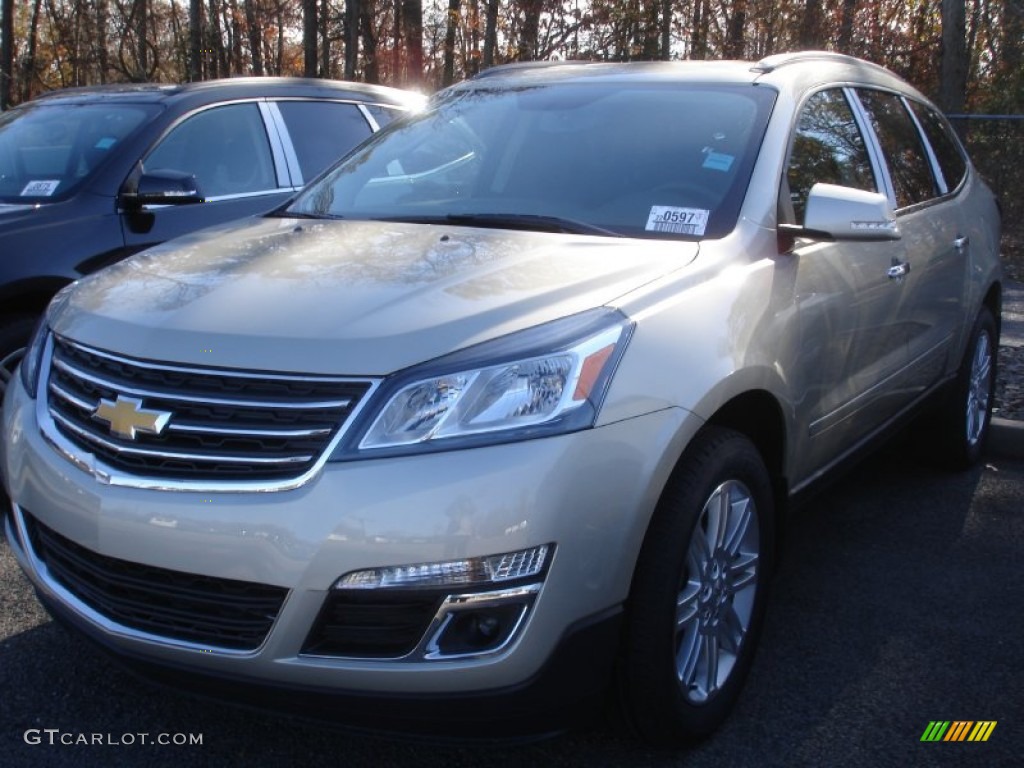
(48, 150)
(621, 158)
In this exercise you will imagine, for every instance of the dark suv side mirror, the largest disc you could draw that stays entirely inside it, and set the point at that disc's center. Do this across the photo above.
(162, 187)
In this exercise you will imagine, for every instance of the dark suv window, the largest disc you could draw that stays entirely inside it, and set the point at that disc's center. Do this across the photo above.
(225, 148)
(901, 144)
(322, 132)
(944, 144)
(828, 148)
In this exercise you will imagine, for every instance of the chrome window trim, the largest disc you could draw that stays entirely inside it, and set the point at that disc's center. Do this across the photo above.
(293, 176)
(937, 174)
(374, 126)
(107, 475)
(871, 143)
(271, 124)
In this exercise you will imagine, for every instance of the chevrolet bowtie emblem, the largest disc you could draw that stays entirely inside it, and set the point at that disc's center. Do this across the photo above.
(127, 417)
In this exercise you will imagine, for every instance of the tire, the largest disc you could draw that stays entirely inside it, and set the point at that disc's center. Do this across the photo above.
(15, 333)
(966, 411)
(680, 677)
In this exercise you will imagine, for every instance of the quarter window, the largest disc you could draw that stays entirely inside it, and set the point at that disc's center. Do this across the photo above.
(828, 147)
(225, 148)
(908, 162)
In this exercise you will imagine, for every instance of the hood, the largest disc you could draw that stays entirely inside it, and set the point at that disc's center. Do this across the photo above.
(348, 297)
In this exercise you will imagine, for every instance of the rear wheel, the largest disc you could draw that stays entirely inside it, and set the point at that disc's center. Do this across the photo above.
(698, 596)
(964, 416)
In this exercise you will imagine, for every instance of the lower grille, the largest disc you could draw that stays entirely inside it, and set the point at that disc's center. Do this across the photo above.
(221, 613)
(372, 624)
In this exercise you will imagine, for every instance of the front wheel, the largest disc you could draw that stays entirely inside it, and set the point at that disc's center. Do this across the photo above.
(699, 590)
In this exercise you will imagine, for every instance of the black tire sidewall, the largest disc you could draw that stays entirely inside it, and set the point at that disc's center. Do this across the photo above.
(656, 705)
(957, 451)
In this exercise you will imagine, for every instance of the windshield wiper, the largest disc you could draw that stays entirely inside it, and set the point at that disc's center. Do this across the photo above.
(284, 213)
(531, 221)
(526, 221)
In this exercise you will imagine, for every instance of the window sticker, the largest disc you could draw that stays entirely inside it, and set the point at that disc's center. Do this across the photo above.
(40, 188)
(718, 161)
(106, 142)
(678, 221)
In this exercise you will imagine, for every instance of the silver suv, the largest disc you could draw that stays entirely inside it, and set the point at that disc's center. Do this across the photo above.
(499, 415)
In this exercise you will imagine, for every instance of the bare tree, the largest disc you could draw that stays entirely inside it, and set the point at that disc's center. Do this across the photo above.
(309, 35)
(448, 74)
(6, 53)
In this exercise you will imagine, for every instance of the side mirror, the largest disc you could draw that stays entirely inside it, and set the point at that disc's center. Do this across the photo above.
(162, 187)
(844, 213)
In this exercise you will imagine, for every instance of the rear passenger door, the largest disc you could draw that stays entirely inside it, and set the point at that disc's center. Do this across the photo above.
(924, 193)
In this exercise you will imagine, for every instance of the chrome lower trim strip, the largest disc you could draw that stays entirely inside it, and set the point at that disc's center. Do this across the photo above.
(217, 431)
(45, 581)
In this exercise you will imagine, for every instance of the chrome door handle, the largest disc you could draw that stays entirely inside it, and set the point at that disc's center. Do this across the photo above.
(898, 270)
(961, 243)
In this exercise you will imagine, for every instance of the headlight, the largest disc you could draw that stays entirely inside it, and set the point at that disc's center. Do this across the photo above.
(546, 380)
(32, 360)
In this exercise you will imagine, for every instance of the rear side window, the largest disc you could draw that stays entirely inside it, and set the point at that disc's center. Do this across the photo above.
(828, 147)
(904, 153)
(322, 132)
(944, 144)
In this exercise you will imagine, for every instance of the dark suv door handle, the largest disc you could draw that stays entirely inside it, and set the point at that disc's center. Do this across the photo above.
(961, 243)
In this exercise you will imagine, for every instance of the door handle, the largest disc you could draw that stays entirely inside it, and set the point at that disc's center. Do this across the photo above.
(898, 270)
(961, 243)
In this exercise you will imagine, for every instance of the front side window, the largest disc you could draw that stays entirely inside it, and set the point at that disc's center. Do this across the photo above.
(905, 155)
(48, 150)
(644, 160)
(828, 147)
(225, 148)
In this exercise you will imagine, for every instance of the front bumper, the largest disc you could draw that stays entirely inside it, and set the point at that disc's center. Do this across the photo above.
(590, 494)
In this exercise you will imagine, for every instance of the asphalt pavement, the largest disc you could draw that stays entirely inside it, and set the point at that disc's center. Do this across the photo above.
(898, 602)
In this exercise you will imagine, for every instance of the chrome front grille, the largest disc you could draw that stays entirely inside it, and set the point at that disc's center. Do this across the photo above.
(193, 424)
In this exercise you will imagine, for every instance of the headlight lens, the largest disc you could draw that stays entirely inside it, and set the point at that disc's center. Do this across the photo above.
(31, 362)
(546, 380)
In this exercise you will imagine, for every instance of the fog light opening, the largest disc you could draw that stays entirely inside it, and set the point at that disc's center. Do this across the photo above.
(480, 630)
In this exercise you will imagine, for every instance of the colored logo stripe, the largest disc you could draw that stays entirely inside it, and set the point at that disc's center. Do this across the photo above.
(958, 730)
(935, 731)
(982, 730)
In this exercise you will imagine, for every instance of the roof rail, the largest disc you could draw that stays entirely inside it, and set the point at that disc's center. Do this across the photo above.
(519, 66)
(771, 63)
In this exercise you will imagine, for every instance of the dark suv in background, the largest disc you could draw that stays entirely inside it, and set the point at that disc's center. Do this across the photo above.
(89, 176)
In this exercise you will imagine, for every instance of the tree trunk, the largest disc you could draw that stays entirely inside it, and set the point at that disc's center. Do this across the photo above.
(351, 38)
(845, 43)
(7, 54)
(701, 24)
(412, 34)
(195, 40)
(325, 38)
(490, 33)
(666, 30)
(810, 26)
(28, 69)
(371, 67)
(734, 40)
(255, 31)
(448, 75)
(309, 33)
(531, 28)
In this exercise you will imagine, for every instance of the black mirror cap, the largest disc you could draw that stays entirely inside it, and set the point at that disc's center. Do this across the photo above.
(163, 187)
